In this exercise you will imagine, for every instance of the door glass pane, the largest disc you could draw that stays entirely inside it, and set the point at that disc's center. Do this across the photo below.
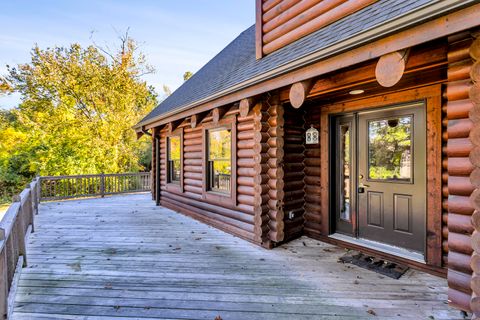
(220, 159)
(174, 159)
(345, 169)
(390, 149)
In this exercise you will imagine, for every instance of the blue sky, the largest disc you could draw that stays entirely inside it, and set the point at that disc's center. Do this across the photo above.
(175, 35)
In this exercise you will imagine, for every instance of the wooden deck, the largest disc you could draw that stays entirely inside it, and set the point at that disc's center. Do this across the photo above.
(121, 257)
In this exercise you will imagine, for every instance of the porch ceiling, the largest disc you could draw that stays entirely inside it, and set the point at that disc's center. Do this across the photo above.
(123, 257)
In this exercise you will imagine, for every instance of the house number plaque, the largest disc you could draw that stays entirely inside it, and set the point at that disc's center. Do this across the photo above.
(311, 135)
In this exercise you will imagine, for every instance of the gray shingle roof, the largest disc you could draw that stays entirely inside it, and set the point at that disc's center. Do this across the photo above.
(236, 63)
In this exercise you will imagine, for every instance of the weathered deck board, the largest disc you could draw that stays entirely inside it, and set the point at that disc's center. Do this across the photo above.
(122, 257)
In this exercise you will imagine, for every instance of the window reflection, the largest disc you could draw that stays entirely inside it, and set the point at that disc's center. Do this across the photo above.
(174, 160)
(389, 149)
(219, 160)
(345, 165)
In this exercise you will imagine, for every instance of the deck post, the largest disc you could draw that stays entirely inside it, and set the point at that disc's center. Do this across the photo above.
(102, 184)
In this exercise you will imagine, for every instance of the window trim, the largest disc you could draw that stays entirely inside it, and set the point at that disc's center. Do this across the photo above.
(220, 197)
(174, 185)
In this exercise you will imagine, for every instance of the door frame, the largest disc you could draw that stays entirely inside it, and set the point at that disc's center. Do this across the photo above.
(431, 95)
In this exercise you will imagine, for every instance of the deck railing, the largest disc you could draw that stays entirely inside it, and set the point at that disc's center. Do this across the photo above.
(15, 226)
(93, 185)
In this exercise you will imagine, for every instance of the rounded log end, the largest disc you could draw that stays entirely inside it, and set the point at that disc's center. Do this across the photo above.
(389, 69)
(474, 93)
(193, 121)
(244, 108)
(297, 95)
(475, 49)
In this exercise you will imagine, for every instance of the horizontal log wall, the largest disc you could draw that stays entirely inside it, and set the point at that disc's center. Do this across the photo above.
(457, 169)
(313, 217)
(281, 22)
(294, 185)
(275, 172)
(236, 218)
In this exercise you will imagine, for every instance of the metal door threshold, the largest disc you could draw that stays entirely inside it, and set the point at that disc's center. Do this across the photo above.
(382, 247)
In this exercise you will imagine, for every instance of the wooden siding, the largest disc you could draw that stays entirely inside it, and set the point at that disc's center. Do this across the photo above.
(281, 22)
(294, 166)
(236, 216)
(457, 168)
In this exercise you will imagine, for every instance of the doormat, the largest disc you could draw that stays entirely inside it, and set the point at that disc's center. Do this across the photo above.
(378, 265)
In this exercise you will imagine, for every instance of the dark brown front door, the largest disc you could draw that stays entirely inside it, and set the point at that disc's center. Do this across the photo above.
(380, 176)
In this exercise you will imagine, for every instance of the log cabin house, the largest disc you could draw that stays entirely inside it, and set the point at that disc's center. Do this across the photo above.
(355, 122)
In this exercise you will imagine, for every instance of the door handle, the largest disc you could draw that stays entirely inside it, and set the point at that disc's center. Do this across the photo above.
(361, 185)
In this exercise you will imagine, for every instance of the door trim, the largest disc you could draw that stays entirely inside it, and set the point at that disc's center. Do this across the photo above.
(431, 95)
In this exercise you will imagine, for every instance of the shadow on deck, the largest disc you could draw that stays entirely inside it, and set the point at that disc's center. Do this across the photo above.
(122, 257)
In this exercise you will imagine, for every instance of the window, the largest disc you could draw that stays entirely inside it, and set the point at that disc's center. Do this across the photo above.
(219, 160)
(390, 148)
(173, 159)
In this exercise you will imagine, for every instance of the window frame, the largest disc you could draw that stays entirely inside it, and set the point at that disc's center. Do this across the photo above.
(226, 198)
(175, 186)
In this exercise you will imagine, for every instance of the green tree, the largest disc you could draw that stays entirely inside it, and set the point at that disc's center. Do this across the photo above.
(77, 112)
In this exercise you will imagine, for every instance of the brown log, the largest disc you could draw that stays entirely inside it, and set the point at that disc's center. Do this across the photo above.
(461, 242)
(193, 162)
(245, 126)
(459, 51)
(459, 128)
(459, 71)
(193, 182)
(475, 49)
(245, 106)
(192, 148)
(460, 147)
(459, 280)
(474, 93)
(271, 8)
(299, 92)
(303, 7)
(246, 181)
(245, 144)
(460, 223)
(193, 175)
(248, 172)
(458, 299)
(459, 205)
(245, 135)
(458, 166)
(458, 109)
(297, 28)
(260, 179)
(218, 113)
(390, 68)
(246, 153)
(196, 119)
(246, 162)
(192, 155)
(459, 261)
(460, 186)
(457, 90)
(192, 141)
